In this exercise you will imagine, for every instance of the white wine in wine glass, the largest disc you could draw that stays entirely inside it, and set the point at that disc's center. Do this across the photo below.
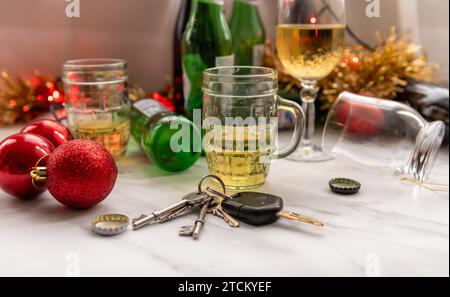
(310, 41)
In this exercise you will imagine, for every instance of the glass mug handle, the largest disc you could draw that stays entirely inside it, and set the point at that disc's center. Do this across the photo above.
(300, 123)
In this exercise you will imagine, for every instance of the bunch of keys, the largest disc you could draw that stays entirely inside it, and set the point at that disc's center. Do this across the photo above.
(249, 207)
(200, 199)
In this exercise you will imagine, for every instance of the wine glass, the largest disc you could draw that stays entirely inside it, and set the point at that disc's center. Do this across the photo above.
(382, 135)
(310, 40)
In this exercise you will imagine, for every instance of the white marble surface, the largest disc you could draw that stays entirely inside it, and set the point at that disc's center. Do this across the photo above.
(389, 229)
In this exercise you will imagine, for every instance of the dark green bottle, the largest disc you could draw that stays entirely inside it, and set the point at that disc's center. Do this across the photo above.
(180, 27)
(248, 33)
(207, 43)
(170, 141)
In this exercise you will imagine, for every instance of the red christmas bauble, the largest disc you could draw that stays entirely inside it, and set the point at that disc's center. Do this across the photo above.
(81, 174)
(18, 155)
(52, 130)
(360, 119)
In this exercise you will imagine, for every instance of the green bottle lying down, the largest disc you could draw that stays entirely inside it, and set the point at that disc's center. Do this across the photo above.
(170, 141)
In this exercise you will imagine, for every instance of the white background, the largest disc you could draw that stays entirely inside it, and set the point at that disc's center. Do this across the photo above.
(36, 34)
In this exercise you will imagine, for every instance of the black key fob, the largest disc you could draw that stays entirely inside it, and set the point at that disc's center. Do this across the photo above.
(254, 208)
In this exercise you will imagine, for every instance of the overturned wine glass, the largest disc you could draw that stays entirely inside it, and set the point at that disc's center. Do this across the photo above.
(383, 135)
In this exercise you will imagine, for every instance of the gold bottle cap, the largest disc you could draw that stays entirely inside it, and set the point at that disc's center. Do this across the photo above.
(110, 225)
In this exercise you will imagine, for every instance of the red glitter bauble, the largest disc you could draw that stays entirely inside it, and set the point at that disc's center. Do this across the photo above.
(81, 174)
(52, 130)
(18, 155)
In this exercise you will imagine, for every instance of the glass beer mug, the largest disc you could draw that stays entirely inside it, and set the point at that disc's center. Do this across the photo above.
(96, 102)
(240, 107)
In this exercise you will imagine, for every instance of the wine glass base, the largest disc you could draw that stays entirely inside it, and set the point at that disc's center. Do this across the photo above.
(309, 154)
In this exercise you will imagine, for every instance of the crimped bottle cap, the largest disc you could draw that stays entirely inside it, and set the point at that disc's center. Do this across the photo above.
(110, 225)
(345, 186)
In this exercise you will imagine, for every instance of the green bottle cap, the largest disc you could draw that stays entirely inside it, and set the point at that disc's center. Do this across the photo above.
(345, 186)
(110, 225)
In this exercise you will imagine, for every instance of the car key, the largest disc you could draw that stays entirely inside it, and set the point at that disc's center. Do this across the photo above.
(261, 209)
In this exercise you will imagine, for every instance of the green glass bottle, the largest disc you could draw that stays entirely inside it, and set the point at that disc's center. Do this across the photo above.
(170, 141)
(248, 33)
(207, 43)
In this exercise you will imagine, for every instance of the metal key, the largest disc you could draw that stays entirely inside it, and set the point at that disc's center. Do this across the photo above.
(195, 230)
(188, 201)
(171, 216)
(218, 194)
(219, 212)
(163, 218)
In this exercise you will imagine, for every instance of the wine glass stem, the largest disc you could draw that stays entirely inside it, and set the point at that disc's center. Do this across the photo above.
(308, 96)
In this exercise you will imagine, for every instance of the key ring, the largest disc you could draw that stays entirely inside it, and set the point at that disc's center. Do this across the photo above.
(219, 202)
(213, 177)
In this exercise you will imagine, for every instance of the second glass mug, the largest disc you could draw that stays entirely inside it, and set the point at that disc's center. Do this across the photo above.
(96, 102)
(240, 105)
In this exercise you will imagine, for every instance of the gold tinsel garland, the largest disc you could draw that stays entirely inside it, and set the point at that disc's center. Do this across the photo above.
(14, 94)
(23, 99)
(381, 73)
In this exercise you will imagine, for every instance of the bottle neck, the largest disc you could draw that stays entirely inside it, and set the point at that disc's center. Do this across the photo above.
(246, 12)
(144, 114)
(206, 13)
(183, 17)
(203, 7)
(150, 108)
(246, 19)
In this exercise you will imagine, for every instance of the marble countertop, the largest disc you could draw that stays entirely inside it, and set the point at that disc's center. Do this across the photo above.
(391, 228)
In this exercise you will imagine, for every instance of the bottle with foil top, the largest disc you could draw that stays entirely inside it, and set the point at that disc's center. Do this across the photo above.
(248, 33)
(207, 43)
(170, 141)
